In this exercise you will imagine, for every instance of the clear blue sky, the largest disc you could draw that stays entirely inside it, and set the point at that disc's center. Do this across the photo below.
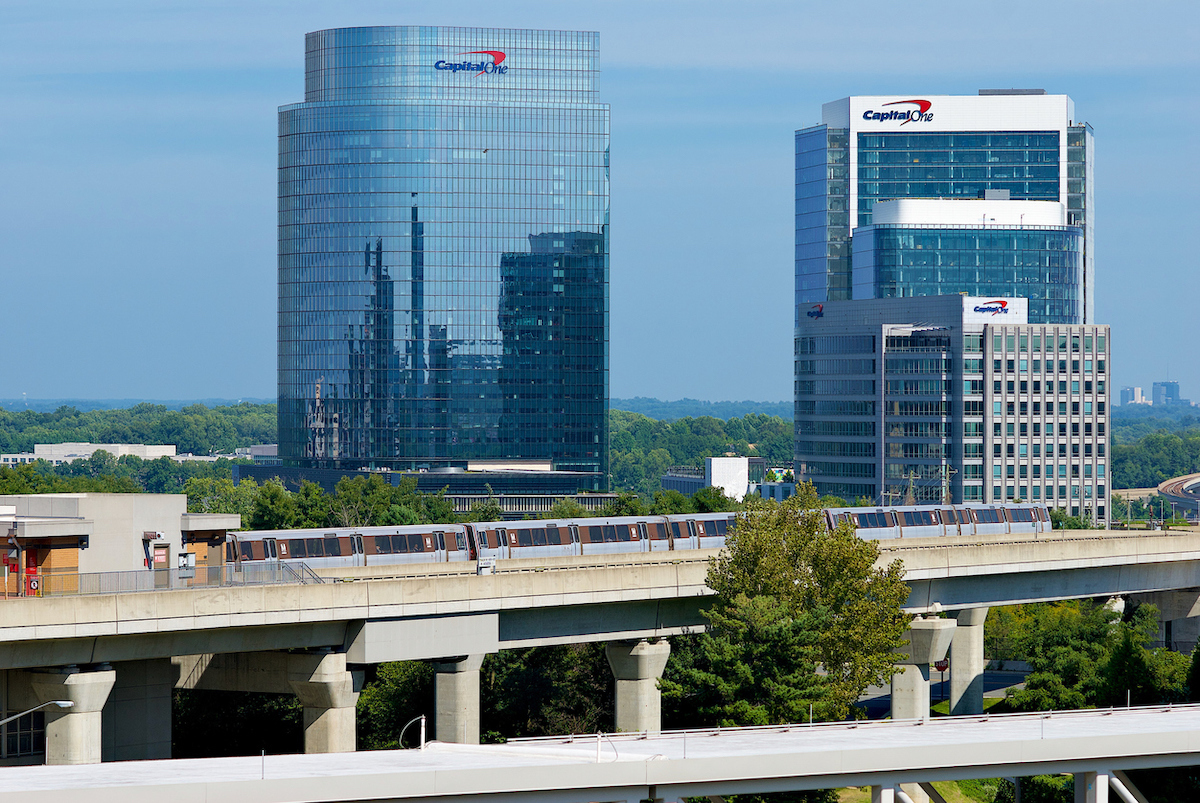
(137, 173)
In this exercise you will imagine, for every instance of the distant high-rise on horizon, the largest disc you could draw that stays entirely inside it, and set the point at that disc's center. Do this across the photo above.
(1005, 182)
(443, 251)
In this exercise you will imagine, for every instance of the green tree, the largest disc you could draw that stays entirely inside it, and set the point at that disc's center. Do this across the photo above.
(1193, 677)
(713, 500)
(273, 508)
(398, 692)
(566, 509)
(815, 595)
(668, 503)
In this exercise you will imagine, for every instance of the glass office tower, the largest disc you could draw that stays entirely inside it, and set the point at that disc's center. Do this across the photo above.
(443, 251)
(870, 149)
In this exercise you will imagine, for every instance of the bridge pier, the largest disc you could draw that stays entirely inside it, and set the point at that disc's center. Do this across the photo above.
(967, 663)
(637, 666)
(328, 691)
(456, 699)
(928, 640)
(1091, 787)
(1178, 617)
(73, 735)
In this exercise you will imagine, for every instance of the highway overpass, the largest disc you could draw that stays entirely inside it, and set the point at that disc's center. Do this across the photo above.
(889, 756)
(311, 639)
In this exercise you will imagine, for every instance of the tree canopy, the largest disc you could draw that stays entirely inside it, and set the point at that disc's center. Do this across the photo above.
(791, 596)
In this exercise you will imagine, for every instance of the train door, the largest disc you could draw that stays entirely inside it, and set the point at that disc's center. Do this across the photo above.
(576, 546)
(358, 556)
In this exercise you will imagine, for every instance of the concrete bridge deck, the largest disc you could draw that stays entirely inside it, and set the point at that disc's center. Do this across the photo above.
(668, 766)
(425, 612)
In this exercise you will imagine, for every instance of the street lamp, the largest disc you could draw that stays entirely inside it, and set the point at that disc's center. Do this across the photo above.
(59, 703)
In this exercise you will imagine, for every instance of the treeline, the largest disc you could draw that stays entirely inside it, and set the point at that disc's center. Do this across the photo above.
(642, 449)
(104, 473)
(196, 429)
(374, 502)
(1155, 458)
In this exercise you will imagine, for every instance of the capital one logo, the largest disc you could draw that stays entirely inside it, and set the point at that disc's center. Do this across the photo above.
(995, 307)
(817, 311)
(919, 114)
(480, 67)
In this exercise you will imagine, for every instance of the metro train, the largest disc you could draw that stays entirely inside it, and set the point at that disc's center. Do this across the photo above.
(447, 543)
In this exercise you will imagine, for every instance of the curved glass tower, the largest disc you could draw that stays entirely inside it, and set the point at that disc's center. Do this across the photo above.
(443, 251)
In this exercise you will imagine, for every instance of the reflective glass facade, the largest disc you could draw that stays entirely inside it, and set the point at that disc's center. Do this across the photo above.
(956, 165)
(822, 215)
(443, 251)
(1043, 264)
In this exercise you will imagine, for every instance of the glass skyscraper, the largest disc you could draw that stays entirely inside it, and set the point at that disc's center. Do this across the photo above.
(443, 251)
(870, 149)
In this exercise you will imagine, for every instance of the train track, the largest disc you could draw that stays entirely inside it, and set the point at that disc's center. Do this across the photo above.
(1183, 490)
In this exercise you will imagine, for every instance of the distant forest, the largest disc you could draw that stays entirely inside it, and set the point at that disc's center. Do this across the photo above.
(1149, 445)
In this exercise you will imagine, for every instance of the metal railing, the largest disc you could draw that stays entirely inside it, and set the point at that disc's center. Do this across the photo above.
(229, 575)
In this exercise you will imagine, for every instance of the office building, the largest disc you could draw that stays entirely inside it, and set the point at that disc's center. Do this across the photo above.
(872, 149)
(1166, 394)
(1133, 395)
(952, 398)
(443, 252)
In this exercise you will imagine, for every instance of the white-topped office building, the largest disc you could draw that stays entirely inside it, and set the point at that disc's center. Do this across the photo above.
(869, 151)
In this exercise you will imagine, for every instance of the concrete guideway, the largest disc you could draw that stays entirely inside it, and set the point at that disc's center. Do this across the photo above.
(1095, 745)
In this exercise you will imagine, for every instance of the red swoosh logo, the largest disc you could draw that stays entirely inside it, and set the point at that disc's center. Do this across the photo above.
(497, 56)
(1003, 304)
(922, 105)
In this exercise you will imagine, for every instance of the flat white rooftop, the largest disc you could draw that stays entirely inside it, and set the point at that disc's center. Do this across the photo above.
(669, 766)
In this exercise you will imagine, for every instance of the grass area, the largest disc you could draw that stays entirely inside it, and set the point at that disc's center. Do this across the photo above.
(942, 709)
(982, 790)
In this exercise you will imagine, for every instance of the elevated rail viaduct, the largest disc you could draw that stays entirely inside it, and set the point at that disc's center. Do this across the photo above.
(119, 656)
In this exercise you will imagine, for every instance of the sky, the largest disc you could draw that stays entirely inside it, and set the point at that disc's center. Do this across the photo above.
(138, 160)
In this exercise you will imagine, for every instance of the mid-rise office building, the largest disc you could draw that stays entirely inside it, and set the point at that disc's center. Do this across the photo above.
(443, 251)
(871, 149)
(1133, 395)
(952, 398)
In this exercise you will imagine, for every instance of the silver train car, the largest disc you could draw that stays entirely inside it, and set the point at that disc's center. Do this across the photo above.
(932, 521)
(334, 547)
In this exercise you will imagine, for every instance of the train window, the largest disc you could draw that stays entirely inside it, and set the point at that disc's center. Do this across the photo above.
(295, 548)
(625, 534)
(872, 520)
(553, 537)
(949, 517)
(675, 529)
(918, 518)
(382, 544)
(334, 547)
(539, 536)
(987, 516)
(1020, 514)
(228, 552)
(719, 527)
(314, 547)
(610, 533)
(247, 550)
(400, 544)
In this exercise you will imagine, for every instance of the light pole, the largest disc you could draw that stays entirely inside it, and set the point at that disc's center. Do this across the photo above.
(59, 703)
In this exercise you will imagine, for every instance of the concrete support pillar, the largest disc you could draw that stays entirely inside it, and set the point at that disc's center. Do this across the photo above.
(883, 794)
(328, 691)
(966, 663)
(928, 640)
(137, 716)
(1091, 787)
(73, 735)
(637, 666)
(456, 698)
